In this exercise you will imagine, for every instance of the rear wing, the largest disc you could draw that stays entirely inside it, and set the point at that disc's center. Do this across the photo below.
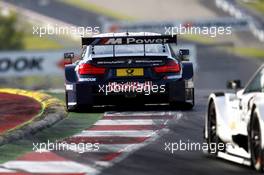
(126, 40)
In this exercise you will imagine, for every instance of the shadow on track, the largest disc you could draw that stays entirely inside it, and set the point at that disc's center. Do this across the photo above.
(133, 107)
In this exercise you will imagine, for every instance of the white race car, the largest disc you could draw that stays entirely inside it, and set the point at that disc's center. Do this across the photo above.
(236, 121)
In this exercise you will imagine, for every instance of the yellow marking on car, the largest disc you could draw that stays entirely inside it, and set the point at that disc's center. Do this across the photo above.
(129, 72)
(232, 125)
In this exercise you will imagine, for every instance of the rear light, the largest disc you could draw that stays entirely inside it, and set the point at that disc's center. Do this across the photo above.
(85, 69)
(170, 67)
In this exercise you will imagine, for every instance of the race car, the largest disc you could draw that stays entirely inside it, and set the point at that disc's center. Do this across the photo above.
(235, 121)
(122, 68)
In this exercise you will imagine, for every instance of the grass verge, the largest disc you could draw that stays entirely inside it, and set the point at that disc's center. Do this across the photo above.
(199, 38)
(241, 51)
(95, 8)
(248, 52)
(32, 42)
(255, 5)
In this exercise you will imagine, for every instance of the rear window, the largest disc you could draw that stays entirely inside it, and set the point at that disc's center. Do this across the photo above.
(129, 49)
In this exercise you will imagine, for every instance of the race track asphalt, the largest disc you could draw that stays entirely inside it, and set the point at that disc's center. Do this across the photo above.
(215, 68)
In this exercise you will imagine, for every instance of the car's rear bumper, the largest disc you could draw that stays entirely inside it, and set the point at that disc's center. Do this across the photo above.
(85, 93)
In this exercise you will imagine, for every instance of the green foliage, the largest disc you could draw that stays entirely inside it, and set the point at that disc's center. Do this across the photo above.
(10, 37)
(255, 5)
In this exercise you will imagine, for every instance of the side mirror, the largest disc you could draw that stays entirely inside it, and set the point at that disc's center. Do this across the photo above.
(68, 57)
(234, 84)
(183, 53)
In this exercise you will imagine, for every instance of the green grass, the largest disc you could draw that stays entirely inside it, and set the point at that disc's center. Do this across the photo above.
(97, 9)
(248, 52)
(45, 82)
(32, 42)
(242, 51)
(199, 38)
(258, 5)
(11, 151)
(71, 125)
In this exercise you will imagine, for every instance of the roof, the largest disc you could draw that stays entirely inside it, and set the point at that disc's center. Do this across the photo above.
(127, 34)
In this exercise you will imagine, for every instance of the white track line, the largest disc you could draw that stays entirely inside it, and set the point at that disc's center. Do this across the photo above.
(105, 148)
(130, 122)
(130, 148)
(115, 133)
(103, 163)
(2, 170)
(74, 167)
(49, 167)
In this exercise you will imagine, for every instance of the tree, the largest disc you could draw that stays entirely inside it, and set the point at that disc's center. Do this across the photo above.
(10, 37)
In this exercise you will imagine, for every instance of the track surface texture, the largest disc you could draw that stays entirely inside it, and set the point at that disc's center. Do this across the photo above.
(215, 68)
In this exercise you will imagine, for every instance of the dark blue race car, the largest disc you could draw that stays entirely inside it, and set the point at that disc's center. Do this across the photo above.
(128, 68)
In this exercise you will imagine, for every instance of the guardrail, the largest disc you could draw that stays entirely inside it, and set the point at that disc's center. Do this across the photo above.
(230, 6)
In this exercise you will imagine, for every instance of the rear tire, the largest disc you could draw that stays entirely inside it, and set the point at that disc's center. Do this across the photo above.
(255, 143)
(80, 108)
(213, 139)
(70, 108)
(181, 106)
(189, 106)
